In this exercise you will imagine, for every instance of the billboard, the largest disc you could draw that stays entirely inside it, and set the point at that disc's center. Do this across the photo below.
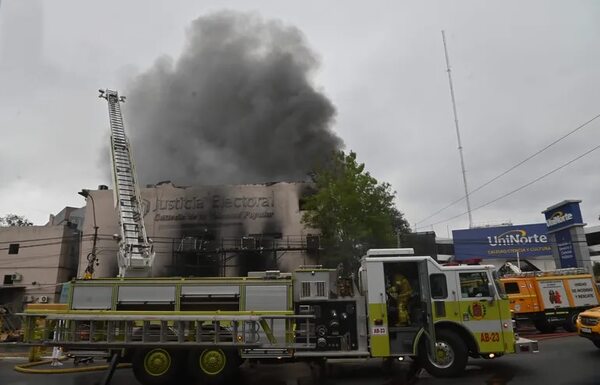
(565, 227)
(502, 242)
(563, 215)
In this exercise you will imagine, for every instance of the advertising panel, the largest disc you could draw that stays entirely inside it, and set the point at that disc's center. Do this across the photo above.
(503, 242)
(554, 294)
(565, 214)
(564, 245)
(583, 293)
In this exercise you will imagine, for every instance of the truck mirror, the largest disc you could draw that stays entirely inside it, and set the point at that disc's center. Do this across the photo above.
(492, 291)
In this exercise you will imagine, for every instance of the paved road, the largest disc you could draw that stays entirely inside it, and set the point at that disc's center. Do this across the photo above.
(568, 360)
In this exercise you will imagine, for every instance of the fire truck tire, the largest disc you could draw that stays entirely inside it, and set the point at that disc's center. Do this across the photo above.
(156, 366)
(544, 326)
(452, 354)
(570, 323)
(213, 366)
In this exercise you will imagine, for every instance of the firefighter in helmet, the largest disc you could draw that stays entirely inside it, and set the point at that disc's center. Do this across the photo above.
(401, 292)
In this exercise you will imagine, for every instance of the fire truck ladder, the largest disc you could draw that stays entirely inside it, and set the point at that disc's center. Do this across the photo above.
(136, 253)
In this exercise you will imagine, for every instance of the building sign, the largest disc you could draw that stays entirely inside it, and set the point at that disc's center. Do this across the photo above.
(563, 216)
(502, 242)
(210, 208)
(565, 224)
(564, 245)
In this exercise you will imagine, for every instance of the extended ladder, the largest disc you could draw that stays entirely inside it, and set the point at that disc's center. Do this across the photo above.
(135, 254)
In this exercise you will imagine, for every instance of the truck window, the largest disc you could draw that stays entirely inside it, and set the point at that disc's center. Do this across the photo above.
(511, 287)
(439, 288)
(475, 284)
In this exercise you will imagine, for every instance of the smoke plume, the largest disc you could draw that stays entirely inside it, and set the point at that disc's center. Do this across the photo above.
(237, 106)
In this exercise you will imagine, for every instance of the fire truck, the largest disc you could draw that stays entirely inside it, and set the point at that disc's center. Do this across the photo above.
(396, 306)
(206, 327)
(551, 298)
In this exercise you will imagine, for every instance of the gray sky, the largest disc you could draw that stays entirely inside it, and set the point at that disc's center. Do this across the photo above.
(525, 73)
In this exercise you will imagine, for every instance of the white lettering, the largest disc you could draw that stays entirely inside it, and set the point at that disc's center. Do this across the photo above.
(516, 237)
(558, 219)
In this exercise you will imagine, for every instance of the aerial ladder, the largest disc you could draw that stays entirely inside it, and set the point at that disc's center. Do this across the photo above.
(136, 252)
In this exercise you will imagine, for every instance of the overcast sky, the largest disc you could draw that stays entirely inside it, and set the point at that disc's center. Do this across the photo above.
(525, 73)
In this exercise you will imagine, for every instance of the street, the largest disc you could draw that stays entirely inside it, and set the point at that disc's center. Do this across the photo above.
(568, 360)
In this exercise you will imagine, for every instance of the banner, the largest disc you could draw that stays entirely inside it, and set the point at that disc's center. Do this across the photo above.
(502, 242)
(553, 294)
(583, 292)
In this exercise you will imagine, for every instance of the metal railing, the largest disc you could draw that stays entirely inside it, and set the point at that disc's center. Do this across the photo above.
(119, 331)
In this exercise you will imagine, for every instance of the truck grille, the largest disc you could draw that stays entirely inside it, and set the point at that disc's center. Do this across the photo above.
(589, 321)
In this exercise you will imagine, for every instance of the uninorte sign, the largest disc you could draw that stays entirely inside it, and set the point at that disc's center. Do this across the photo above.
(502, 242)
(565, 214)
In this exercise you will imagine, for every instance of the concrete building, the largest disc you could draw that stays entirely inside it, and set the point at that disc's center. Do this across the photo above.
(592, 237)
(35, 260)
(210, 230)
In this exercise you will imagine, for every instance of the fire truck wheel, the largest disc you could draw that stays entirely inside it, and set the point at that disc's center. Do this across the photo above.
(156, 366)
(213, 366)
(570, 323)
(544, 326)
(451, 355)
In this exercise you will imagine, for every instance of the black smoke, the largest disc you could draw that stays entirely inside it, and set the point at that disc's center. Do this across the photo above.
(237, 106)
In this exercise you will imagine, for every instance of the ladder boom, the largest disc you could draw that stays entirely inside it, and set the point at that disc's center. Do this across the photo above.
(136, 253)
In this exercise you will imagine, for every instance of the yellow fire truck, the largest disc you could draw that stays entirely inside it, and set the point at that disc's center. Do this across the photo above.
(551, 298)
(206, 327)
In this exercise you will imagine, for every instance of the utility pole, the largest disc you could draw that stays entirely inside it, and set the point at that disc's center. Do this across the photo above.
(460, 151)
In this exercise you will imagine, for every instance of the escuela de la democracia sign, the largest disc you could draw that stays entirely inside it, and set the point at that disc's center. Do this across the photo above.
(529, 241)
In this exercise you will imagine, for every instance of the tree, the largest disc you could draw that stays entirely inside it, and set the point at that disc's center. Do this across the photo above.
(14, 220)
(353, 211)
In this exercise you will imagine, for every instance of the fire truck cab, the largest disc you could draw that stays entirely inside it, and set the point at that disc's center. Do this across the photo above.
(463, 307)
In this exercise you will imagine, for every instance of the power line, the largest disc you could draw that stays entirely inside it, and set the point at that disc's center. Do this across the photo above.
(510, 169)
(521, 187)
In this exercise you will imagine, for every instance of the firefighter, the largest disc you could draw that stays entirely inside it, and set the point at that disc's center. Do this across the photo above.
(401, 291)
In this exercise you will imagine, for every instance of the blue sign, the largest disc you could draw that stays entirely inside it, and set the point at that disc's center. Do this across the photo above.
(563, 215)
(502, 242)
(564, 245)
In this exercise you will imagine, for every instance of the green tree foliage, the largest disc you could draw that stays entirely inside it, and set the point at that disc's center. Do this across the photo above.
(14, 220)
(353, 211)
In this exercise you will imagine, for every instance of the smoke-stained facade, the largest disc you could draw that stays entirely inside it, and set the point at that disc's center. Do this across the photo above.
(233, 228)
